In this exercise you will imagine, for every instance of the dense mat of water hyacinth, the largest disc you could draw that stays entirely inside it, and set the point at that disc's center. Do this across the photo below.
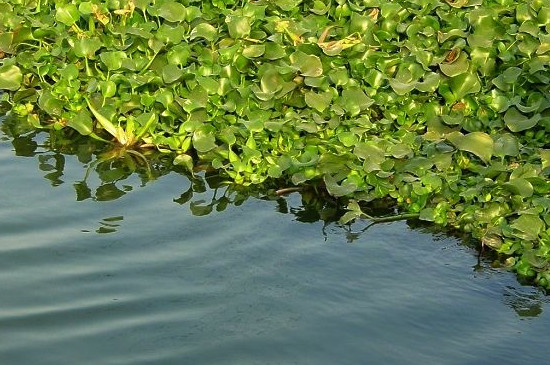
(441, 106)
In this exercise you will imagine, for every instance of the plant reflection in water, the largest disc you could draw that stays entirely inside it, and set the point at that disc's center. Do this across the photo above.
(116, 170)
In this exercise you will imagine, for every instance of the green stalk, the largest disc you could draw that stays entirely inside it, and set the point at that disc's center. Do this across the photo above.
(146, 127)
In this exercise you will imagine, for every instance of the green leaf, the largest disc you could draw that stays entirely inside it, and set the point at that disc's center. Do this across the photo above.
(287, 5)
(50, 104)
(172, 11)
(185, 161)
(318, 101)
(113, 59)
(239, 26)
(464, 84)
(10, 77)
(338, 189)
(198, 98)
(67, 14)
(308, 65)
(545, 158)
(171, 73)
(478, 143)
(82, 122)
(204, 30)
(528, 227)
(271, 81)
(517, 122)
(402, 88)
(457, 67)
(354, 100)
(427, 214)
(254, 51)
(86, 47)
(506, 145)
(203, 140)
(520, 187)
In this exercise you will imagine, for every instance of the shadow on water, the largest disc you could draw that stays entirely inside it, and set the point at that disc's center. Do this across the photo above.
(110, 174)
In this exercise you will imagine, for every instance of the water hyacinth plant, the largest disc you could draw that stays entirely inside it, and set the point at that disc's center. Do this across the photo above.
(441, 105)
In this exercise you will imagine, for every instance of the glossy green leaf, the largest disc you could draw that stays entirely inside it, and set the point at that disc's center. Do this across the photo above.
(478, 143)
(354, 100)
(517, 122)
(203, 141)
(545, 158)
(318, 101)
(185, 161)
(239, 26)
(520, 187)
(67, 14)
(87, 47)
(171, 73)
(82, 122)
(10, 77)
(204, 30)
(528, 226)
(506, 145)
(113, 59)
(464, 84)
(172, 11)
(308, 65)
(457, 67)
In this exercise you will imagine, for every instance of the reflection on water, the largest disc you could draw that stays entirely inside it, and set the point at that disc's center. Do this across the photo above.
(208, 192)
(310, 293)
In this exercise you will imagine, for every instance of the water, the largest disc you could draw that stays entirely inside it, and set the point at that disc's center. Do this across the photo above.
(140, 280)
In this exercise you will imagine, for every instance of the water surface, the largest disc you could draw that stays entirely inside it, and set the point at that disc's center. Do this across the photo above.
(126, 274)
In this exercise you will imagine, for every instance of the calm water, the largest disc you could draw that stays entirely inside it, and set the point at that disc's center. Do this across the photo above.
(141, 280)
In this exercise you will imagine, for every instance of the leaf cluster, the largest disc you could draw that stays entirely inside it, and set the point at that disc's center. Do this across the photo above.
(443, 106)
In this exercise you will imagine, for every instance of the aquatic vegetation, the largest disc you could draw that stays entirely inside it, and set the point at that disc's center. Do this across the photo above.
(442, 106)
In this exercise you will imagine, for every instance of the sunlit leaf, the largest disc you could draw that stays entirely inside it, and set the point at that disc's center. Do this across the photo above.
(309, 65)
(478, 143)
(172, 11)
(10, 77)
(67, 14)
(517, 122)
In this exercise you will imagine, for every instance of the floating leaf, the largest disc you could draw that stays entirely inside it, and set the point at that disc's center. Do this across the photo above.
(506, 145)
(203, 141)
(456, 67)
(254, 51)
(185, 161)
(239, 26)
(172, 11)
(528, 226)
(318, 101)
(478, 143)
(271, 81)
(204, 30)
(309, 65)
(10, 77)
(354, 100)
(464, 84)
(82, 122)
(545, 158)
(87, 47)
(517, 122)
(113, 59)
(520, 187)
(287, 5)
(338, 189)
(67, 14)
(171, 73)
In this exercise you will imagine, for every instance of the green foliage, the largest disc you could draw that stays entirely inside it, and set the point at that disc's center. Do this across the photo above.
(441, 105)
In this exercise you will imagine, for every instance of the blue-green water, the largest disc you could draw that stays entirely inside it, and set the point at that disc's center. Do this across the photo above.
(141, 280)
